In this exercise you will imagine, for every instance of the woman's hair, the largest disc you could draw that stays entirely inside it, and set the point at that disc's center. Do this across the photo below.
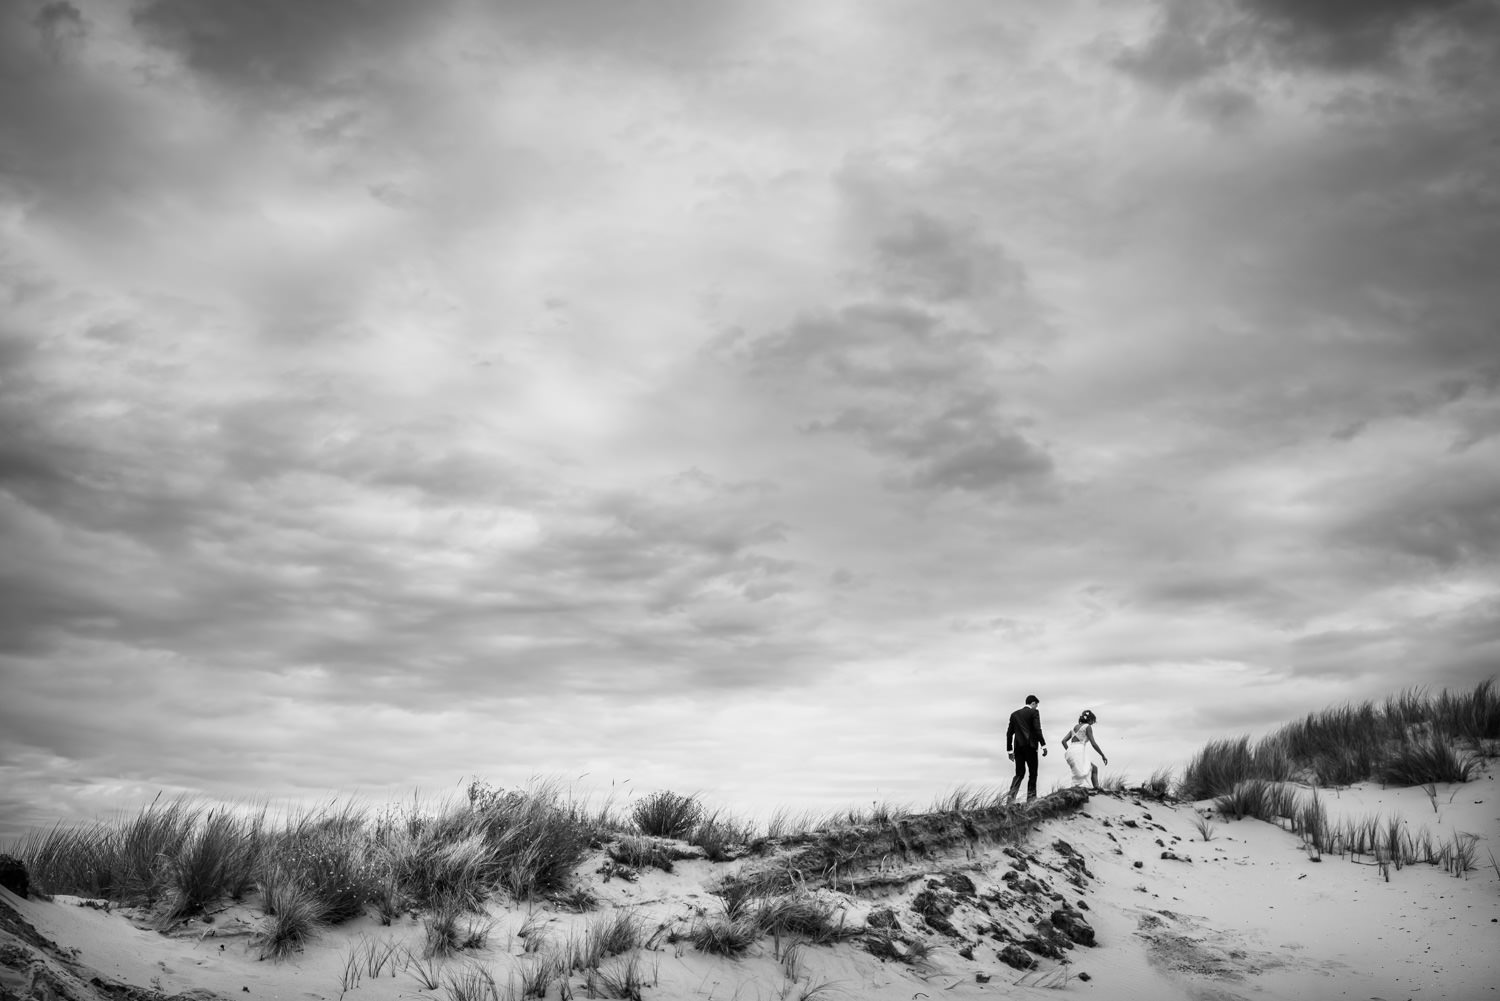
(1088, 717)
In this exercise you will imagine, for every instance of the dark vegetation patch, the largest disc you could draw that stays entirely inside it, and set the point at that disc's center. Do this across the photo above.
(1408, 739)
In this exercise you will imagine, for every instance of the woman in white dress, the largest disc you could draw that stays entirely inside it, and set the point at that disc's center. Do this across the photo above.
(1076, 750)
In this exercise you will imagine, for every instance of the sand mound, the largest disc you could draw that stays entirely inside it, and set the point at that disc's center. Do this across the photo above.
(1114, 895)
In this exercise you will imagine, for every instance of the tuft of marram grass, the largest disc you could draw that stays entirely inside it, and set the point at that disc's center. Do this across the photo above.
(1428, 759)
(625, 977)
(801, 914)
(1409, 739)
(472, 982)
(218, 859)
(723, 935)
(666, 814)
(294, 915)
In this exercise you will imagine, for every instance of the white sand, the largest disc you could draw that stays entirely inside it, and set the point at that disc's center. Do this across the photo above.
(1250, 916)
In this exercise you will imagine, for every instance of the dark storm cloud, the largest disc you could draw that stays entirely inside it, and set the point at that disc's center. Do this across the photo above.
(916, 372)
(247, 571)
(1189, 43)
(967, 445)
(273, 45)
(1199, 587)
(1447, 519)
(1194, 40)
(1354, 34)
(913, 390)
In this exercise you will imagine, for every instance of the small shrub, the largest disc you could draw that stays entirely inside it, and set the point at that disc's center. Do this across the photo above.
(667, 815)
(724, 936)
(1205, 827)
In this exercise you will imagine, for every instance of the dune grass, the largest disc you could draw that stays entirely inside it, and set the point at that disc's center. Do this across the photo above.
(667, 814)
(1407, 739)
(335, 863)
(1389, 842)
(180, 859)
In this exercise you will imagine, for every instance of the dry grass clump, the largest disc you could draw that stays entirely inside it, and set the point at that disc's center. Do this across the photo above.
(724, 935)
(120, 861)
(450, 929)
(667, 815)
(1159, 785)
(626, 978)
(642, 853)
(294, 914)
(612, 936)
(470, 983)
(331, 856)
(1428, 760)
(721, 836)
(801, 914)
(1409, 739)
(181, 858)
(218, 858)
(1246, 798)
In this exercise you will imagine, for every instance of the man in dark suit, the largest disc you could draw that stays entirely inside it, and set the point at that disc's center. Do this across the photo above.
(1022, 738)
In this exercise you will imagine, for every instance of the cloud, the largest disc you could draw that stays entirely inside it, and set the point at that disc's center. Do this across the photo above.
(1192, 42)
(915, 369)
(1448, 518)
(398, 391)
(281, 46)
(1345, 35)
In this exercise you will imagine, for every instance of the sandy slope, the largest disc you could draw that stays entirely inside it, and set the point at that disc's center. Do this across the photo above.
(1247, 914)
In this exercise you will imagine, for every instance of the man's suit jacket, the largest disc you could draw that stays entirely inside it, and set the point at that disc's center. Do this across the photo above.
(1025, 729)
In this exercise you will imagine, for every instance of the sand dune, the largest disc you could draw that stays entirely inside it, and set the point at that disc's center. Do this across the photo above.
(1250, 913)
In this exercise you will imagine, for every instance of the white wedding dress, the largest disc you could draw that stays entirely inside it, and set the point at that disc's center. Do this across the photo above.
(1077, 754)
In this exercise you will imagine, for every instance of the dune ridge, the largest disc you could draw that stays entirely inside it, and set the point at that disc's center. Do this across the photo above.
(1116, 895)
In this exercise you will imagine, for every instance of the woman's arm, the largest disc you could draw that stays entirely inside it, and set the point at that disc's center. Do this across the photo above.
(1096, 745)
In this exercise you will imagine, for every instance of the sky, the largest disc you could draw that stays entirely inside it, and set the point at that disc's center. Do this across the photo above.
(754, 399)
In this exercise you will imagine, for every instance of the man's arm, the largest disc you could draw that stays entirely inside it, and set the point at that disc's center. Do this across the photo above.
(1010, 733)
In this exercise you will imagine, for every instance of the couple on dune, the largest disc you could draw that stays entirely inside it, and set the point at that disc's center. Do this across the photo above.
(1023, 737)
